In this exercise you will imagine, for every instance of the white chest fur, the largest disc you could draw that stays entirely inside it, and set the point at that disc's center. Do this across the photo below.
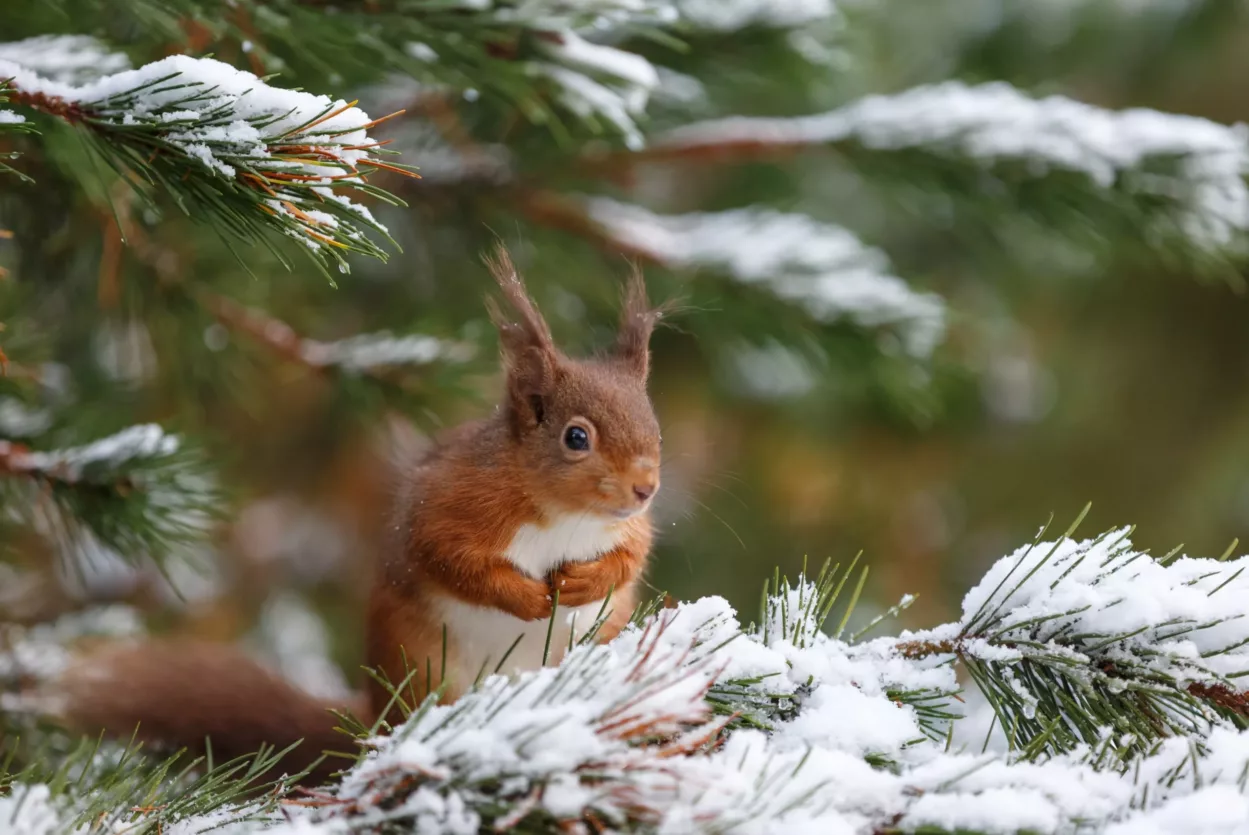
(483, 636)
(571, 538)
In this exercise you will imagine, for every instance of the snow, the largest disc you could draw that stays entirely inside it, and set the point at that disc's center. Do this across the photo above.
(599, 15)
(204, 88)
(296, 645)
(371, 352)
(731, 15)
(8, 117)
(38, 652)
(17, 420)
(176, 500)
(617, 733)
(824, 268)
(606, 15)
(124, 351)
(809, 775)
(773, 371)
(594, 80)
(587, 98)
(880, 726)
(71, 59)
(228, 119)
(573, 51)
(579, 67)
(422, 52)
(28, 810)
(996, 122)
(129, 446)
(598, 80)
(1121, 603)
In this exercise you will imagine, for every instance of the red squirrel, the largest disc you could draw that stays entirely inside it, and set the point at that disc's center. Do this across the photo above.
(551, 493)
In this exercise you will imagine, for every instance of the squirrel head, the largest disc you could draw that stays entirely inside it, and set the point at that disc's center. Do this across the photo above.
(585, 430)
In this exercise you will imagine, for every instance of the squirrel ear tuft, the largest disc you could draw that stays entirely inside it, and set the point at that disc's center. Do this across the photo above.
(637, 321)
(531, 330)
(529, 353)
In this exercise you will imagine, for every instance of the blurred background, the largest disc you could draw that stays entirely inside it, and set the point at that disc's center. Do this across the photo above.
(913, 348)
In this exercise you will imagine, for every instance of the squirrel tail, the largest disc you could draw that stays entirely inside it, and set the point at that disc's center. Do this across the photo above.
(177, 694)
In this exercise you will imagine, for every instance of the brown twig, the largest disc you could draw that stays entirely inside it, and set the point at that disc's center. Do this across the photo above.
(568, 215)
(260, 327)
(14, 459)
(69, 111)
(923, 649)
(1221, 695)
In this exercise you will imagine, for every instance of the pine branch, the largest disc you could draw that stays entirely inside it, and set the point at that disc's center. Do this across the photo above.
(496, 756)
(535, 57)
(624, 737)
(11, 123)
(248, 158)
(824, 269)
(1181, 176)
(1069, 639)
(31, 654)
(381, 357)
(139, 493)
(95, 789)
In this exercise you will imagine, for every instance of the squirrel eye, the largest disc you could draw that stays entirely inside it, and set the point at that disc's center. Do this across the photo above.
(576, 439)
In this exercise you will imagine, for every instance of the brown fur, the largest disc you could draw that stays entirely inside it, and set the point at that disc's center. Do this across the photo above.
(462, 504)
(178, 693)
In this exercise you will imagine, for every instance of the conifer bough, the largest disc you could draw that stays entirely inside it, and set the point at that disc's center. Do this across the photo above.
(644, 735)
(247, 157)
(138, 492)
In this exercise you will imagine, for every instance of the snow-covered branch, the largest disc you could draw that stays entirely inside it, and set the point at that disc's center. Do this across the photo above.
(65, 59)
(374, 355)
(690, 722)
(823, 268)
(844, 751)
(137, 493)
(1193, 166)
(250, 157)
(10, 122)
(1062, 635)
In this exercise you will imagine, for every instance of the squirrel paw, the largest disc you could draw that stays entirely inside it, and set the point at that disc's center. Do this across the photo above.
(530, 600)
(581, 583)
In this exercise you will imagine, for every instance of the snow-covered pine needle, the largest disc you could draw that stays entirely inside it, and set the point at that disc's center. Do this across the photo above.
(138, 493)
(229, 148)
(374, 355)
(11, 122)
(823, 268)
(624, 737)
(576, 743)
(30, 655)
(67, 59)
(1070, 638)
(373, 352)
(1192, 166)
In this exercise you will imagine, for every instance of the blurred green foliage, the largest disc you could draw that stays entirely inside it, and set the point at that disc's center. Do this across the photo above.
(1118, 381)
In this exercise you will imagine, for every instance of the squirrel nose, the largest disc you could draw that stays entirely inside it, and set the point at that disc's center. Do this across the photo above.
(644, 477)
